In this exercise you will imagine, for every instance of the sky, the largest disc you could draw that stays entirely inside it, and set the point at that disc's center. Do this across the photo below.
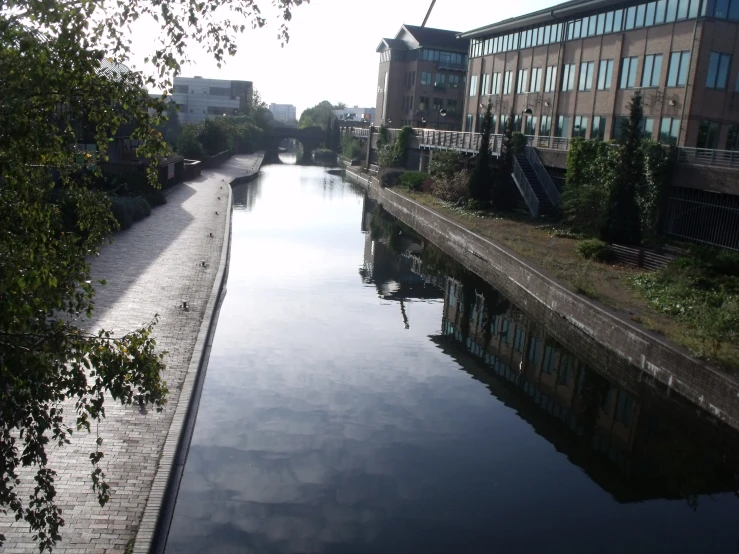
(331, 53)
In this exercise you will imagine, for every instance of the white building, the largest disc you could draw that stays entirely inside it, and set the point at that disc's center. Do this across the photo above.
(284, 113)
(356, 114)
(199, 98)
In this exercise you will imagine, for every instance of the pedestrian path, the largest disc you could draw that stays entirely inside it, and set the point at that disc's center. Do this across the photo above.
(151, 268)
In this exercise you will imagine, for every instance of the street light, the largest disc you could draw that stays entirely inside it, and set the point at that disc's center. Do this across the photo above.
(527, 111)
(442, 113)
(423, 122)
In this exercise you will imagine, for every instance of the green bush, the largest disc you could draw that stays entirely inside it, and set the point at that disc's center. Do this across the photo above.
(445, 163)
(128, 210)
(390, 177)
(594, 249)
(350, 147)
(518, 143)
(412, 180)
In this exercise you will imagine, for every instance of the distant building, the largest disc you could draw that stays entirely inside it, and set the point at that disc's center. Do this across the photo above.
(199, 98)
(360, 115)
(570, 70)
(422, 78)
(284, 113)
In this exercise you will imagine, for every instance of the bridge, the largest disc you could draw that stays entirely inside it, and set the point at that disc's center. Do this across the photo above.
(310, 137)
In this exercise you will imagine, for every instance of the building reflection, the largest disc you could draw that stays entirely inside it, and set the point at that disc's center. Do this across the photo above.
(246, 194)
(635, 442)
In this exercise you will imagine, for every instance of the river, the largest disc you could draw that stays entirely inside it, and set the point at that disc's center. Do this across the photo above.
(365, 394)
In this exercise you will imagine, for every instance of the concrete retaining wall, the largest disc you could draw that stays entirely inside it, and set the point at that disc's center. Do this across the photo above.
(591, 326)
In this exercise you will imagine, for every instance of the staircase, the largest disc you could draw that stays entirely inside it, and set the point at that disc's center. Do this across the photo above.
(546, 207)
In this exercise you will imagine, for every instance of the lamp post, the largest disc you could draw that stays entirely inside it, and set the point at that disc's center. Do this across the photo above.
(442, 113)
(423, 122)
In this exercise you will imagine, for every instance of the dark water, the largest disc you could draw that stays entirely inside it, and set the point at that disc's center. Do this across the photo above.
(367, 395)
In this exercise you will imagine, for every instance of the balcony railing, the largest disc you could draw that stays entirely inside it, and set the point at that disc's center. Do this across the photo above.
(702, 156)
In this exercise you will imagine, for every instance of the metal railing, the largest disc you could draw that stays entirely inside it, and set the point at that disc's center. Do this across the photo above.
(555, 143)
(524, 187)
(704, 217)
(702, 156)
(543, 175)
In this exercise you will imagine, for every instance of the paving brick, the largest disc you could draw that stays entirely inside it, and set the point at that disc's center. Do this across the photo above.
(150, 269)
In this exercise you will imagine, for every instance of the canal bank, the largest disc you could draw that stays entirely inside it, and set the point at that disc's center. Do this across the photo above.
(592, 326)
(173, 256)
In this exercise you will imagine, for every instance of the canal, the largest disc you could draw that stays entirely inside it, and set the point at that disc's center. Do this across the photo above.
(366, 394)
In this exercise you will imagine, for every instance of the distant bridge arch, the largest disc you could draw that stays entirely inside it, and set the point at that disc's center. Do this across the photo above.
(310, 137)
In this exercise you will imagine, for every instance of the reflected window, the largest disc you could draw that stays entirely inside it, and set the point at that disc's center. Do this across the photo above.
(669, 130)
(708, 135)
(598, 131)
(718, 70)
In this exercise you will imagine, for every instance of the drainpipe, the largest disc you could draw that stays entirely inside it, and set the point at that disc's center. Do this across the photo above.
(688, 85)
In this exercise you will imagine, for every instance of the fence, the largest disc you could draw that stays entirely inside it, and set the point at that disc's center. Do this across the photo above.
(638, 257)
(701, 216)
(701, 156)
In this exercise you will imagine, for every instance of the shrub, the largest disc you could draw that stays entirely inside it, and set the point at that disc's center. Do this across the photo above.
(394, 154)
(188, 143)
(412, 180)
(350, 147)
(518, 143)
(127, 210)
(594, 249)
(453, 187)
(390, 177)
(445, 163)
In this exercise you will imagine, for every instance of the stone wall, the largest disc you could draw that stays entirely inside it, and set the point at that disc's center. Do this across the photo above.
(591, 326)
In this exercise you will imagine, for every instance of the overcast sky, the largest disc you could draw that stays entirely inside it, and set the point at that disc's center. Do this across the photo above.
(331, 54)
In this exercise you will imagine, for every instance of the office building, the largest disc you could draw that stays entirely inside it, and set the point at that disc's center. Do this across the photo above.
(422, 78)
(284, 113)
(577, 65)
(199, 98)
(356, 114)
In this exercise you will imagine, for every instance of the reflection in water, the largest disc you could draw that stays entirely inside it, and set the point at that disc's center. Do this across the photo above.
(415, 409)
(290, 151)
(245, 195)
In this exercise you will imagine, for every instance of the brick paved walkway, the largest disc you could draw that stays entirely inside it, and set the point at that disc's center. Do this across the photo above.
(150, 268)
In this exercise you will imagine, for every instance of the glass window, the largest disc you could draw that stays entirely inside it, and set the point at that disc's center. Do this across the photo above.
(718, 70)
(496, 83)
(722, 9)
(507, 78)
(694, 5)
(577, 33)
(545, 129)
(440, 81)
(522, 81)
(515, 41)
(649, 18)
(605, 72)
(547, 34)
(563, 126)
(652, 70)
(568, 77)
(669, 130)
(628, 72)
(591, 26)
(550, 80)
(630, 18)
(732, 138)
(586, 76)
(677, 74)
(469, 122)
(618, 126)
(618, 18)
(708, 135)
(601, 24)
(453, 81)
(682, 9)
(671, 11)
(485, 84)
(530, 125)
(423, 103)
(426, 79)
(659, 15)
(580, 126)
(733, 10)
(598, 131)
(640, 11)
(647, 127)
(535, 79)
(609, 23)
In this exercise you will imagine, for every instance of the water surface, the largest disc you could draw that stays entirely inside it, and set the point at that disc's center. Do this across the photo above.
(366, 395)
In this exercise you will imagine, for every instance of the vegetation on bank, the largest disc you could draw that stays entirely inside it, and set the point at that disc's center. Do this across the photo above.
(614, 193)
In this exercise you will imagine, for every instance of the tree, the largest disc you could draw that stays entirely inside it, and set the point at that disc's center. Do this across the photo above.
(481, 177)
(336, 134)
(256, 102)
(64, 79)
(622, 222)
(317, 116)
(171, 128)
(330, 133)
